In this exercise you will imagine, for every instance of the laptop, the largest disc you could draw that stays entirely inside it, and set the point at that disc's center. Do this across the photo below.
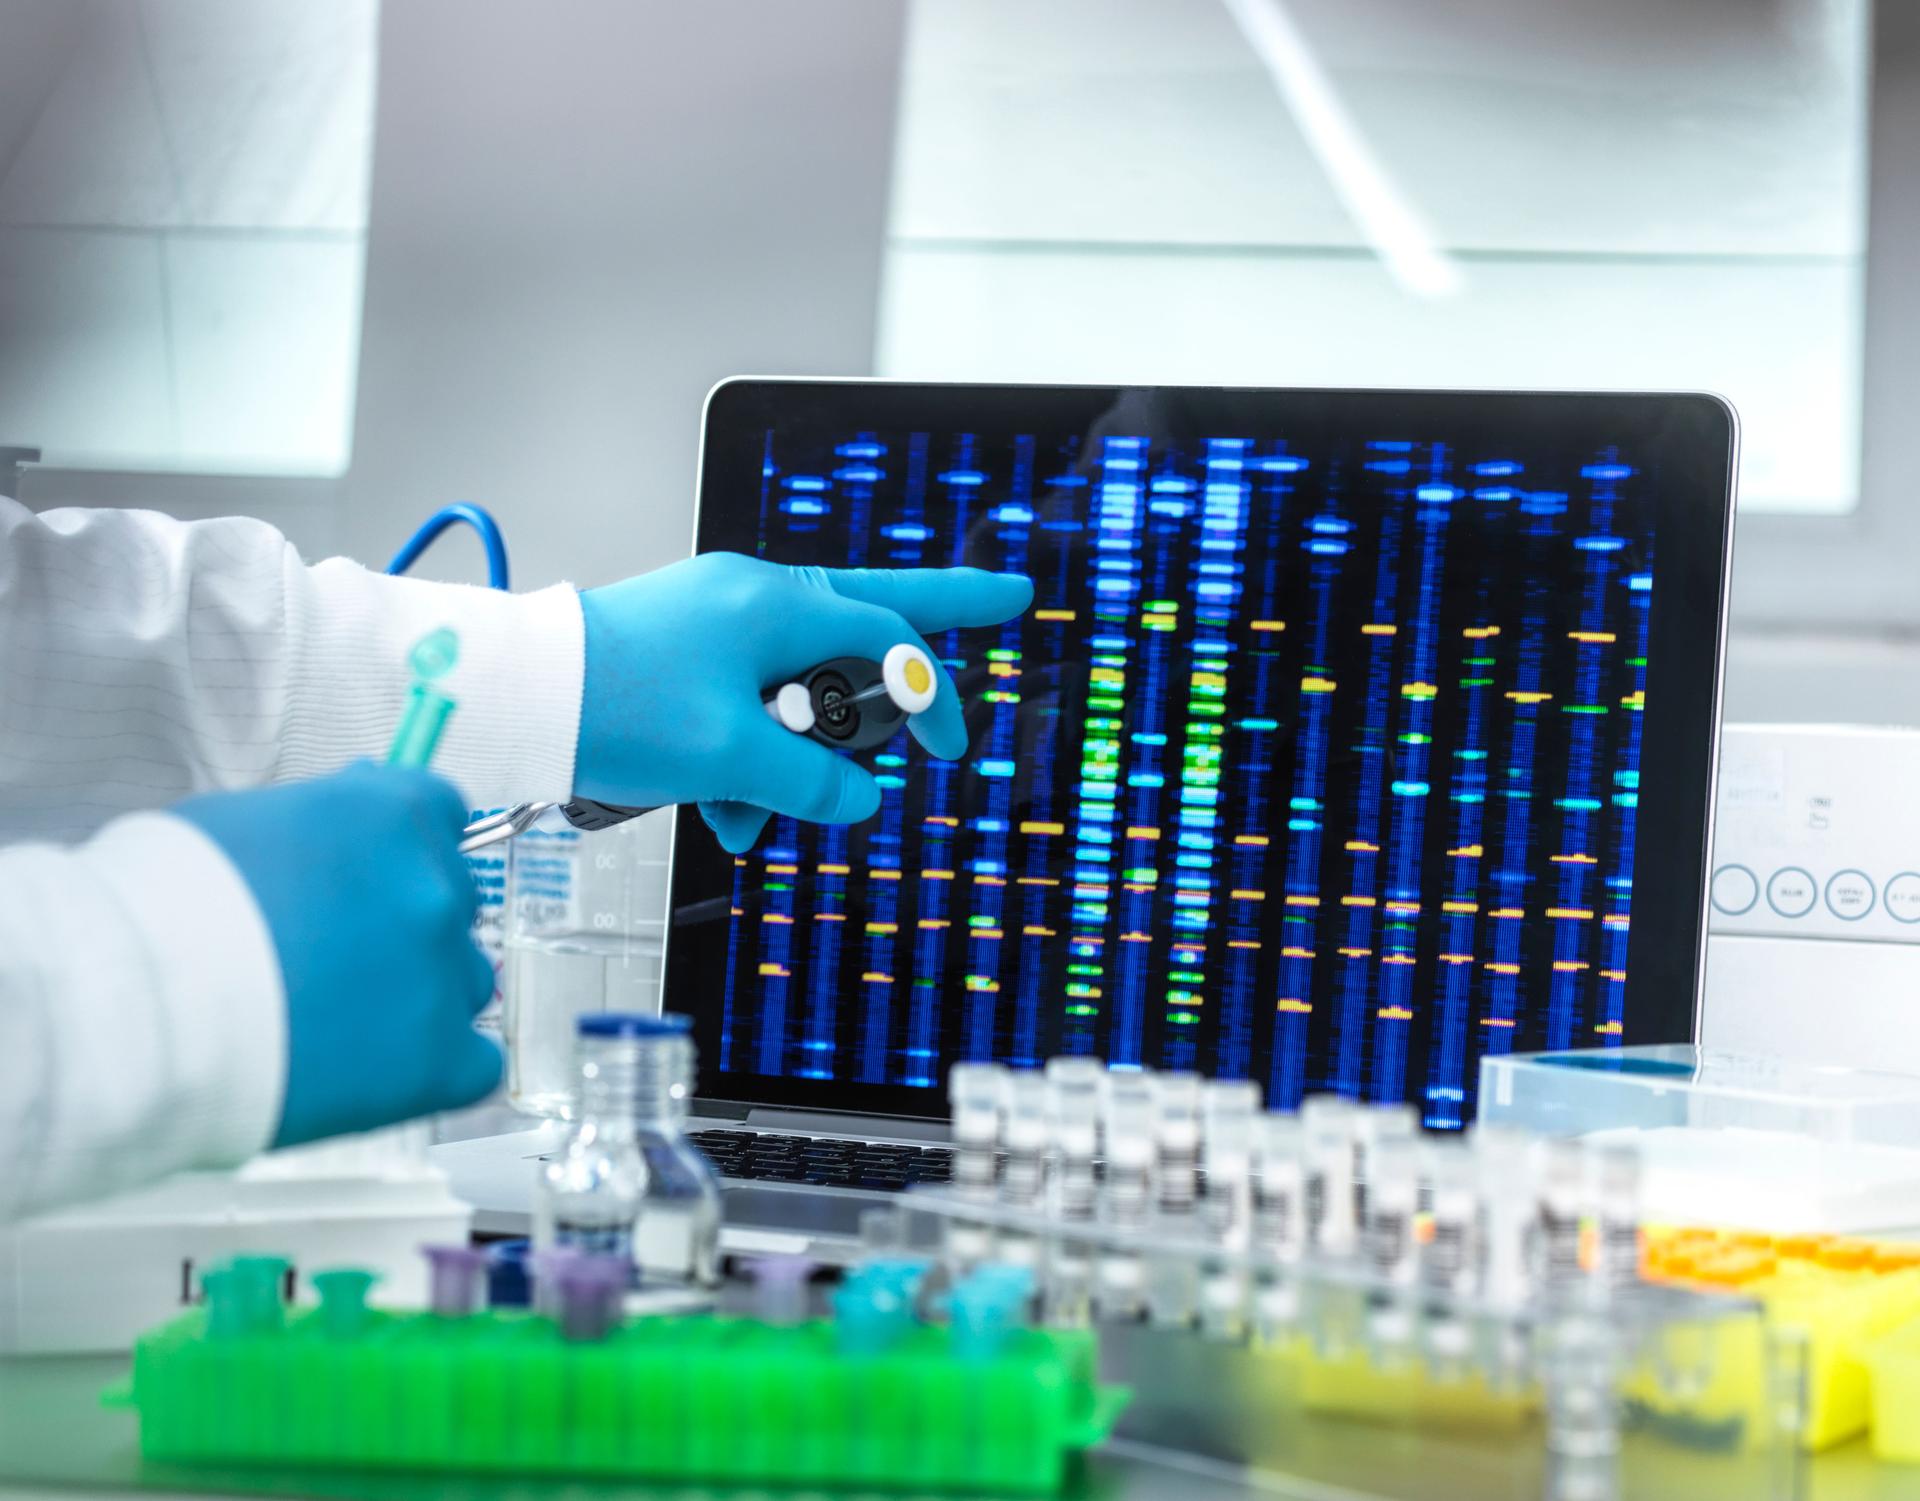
(1353, 735)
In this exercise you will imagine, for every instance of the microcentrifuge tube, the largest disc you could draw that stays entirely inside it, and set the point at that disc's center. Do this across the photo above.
(1024, 1138)
(456, 1280)
(975, 1091)
(982, 1313)
(343, 1300)
(780, 1295)
(1503, 1169)
(909, 1274)
(1023, 1141)
(1393, 1198)
(591, 1289)
(1279, 1221)
(418, 732)
(1373, 1127)
(1448, 1255)
(1616, 1174)
(1128, 1127)
(1173, 1277)
(1073, 1121)
(1176, 1098)
(1230, 1109)
(227, 1310)
(1560, 1178)
(870, 1313)
(1328, 1123)
(1126, 1200)
(262, 1284)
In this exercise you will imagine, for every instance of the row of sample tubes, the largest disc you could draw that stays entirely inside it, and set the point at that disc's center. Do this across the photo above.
(582, 1292)
(1165, 1195)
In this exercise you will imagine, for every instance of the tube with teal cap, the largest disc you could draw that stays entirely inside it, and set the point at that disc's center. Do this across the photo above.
(428, 709)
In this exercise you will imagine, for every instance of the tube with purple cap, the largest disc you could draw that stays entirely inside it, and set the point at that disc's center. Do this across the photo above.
(456, 1280)
(584, 1291)
(780, 1289)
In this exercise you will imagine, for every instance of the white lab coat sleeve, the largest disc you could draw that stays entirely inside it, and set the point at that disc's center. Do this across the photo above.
(142, 1022)
(516, 685)
(144, 658)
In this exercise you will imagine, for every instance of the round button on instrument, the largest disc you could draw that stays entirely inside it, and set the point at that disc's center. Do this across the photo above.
(1850, 895)
(1792, 891)
(1902, 897)
(1735, 889)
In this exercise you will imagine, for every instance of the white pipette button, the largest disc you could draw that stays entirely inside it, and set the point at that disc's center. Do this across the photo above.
(793, 707)
(910, 677)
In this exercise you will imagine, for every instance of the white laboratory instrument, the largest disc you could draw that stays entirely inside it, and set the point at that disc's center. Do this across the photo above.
(1814, 921)
(87, 1279)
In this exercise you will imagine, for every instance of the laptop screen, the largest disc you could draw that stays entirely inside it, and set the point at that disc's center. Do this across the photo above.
(1323, 757)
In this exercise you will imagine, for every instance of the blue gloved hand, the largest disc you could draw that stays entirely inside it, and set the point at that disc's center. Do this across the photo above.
(369, 902)
(677, 661)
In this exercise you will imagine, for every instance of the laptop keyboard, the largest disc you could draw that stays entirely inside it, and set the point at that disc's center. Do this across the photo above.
(758, 1156)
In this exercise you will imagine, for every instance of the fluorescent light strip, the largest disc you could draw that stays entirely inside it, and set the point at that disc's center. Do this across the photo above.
(1389, 223)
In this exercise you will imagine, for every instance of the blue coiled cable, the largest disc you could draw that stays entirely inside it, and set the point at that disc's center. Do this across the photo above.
(438, 522)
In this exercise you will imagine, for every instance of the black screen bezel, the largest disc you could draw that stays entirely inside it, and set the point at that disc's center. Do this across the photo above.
(1689, 438)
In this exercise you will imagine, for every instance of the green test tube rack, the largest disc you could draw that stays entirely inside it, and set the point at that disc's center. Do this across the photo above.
(704, 1398)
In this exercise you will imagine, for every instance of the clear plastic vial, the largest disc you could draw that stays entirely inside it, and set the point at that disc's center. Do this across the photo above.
(1023, 1179)
(1172, 1279)
(1073, 1123)
(627, 1181)
(1126, 1198)
(975, 1093)
(1329, 1124)
(1449, 1257)
(1230, 1110)
(1561, 1190)
(1615, 1188)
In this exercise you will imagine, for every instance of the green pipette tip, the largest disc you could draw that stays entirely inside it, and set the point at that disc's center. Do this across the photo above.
(434, 654)
(427, 707)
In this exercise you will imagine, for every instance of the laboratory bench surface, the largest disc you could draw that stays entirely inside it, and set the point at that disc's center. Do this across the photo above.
(57, 1441)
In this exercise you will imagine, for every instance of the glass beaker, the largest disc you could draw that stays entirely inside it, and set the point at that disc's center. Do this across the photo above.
(585, 930)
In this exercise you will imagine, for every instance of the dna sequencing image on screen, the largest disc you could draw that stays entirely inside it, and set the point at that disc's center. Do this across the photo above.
(1316, 764)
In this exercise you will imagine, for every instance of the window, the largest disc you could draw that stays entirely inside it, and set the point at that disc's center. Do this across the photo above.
(1475, 193)
(183, 215)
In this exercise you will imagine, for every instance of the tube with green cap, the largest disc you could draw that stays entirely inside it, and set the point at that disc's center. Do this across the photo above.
(428, 709)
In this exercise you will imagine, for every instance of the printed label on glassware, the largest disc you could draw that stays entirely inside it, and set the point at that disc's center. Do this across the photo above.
(546, 883)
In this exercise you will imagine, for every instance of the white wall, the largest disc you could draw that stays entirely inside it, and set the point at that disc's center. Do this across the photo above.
(584, 213)
(1823, 678)
(183, 189)
(1633, 195)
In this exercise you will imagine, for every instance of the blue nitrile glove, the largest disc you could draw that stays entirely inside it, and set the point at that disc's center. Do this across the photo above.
(368, 900)
(677, 661)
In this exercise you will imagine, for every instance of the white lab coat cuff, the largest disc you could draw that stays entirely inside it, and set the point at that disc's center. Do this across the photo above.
(516, 686)
(220, 1014)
